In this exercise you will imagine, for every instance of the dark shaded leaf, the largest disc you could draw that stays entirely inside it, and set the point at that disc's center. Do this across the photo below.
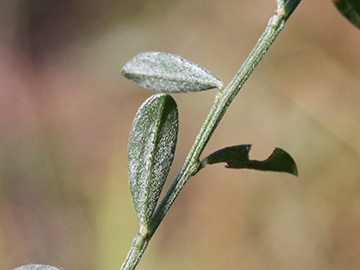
(36, 267)
(237, 157)
(151, 150)
(290, 6)
(168, 73)
(350, 9)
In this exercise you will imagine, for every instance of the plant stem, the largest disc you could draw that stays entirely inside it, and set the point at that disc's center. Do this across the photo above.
(137, 248)
(222, 101)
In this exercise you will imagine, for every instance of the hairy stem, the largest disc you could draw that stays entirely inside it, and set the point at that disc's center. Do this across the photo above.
(222, 101)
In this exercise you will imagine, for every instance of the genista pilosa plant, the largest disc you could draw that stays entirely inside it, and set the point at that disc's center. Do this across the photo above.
(154, 131)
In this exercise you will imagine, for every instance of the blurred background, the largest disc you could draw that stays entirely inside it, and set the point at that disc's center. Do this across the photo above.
(65, 115)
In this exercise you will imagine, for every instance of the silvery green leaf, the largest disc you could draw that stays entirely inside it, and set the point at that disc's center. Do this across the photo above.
(36, 267)
(237, 157)
(151, 150)
(168, 73)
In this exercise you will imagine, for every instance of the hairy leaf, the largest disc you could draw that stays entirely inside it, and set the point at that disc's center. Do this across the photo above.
(350, 9)
(151, 150)
(237, 157)
(168, 73)
(36, 267)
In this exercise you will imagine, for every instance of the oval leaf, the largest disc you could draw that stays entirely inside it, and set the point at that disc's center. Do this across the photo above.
(237, 157)
(151, 150)
(168, 73)
(350, 9)
(36, 267)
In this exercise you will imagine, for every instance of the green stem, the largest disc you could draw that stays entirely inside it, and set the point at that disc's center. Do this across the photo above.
(222, 101)
(137, 248)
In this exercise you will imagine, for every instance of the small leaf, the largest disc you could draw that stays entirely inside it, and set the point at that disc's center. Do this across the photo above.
(151, 150)
(237, 157)
(36, 267)
(168, 73)
(350, 9)
(290, 6)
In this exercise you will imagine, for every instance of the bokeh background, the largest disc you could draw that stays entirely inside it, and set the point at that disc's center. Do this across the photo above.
(65, 115)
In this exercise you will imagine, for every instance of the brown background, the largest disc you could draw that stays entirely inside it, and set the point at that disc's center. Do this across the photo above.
(65, 114)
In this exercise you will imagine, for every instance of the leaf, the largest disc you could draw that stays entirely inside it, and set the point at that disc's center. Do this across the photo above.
(237, 157)
(350, 9)
(168, 73)
(290, 6)
(36, 267)
(151, 150)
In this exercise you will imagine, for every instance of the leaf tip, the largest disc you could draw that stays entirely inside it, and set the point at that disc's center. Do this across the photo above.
(283, 162)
